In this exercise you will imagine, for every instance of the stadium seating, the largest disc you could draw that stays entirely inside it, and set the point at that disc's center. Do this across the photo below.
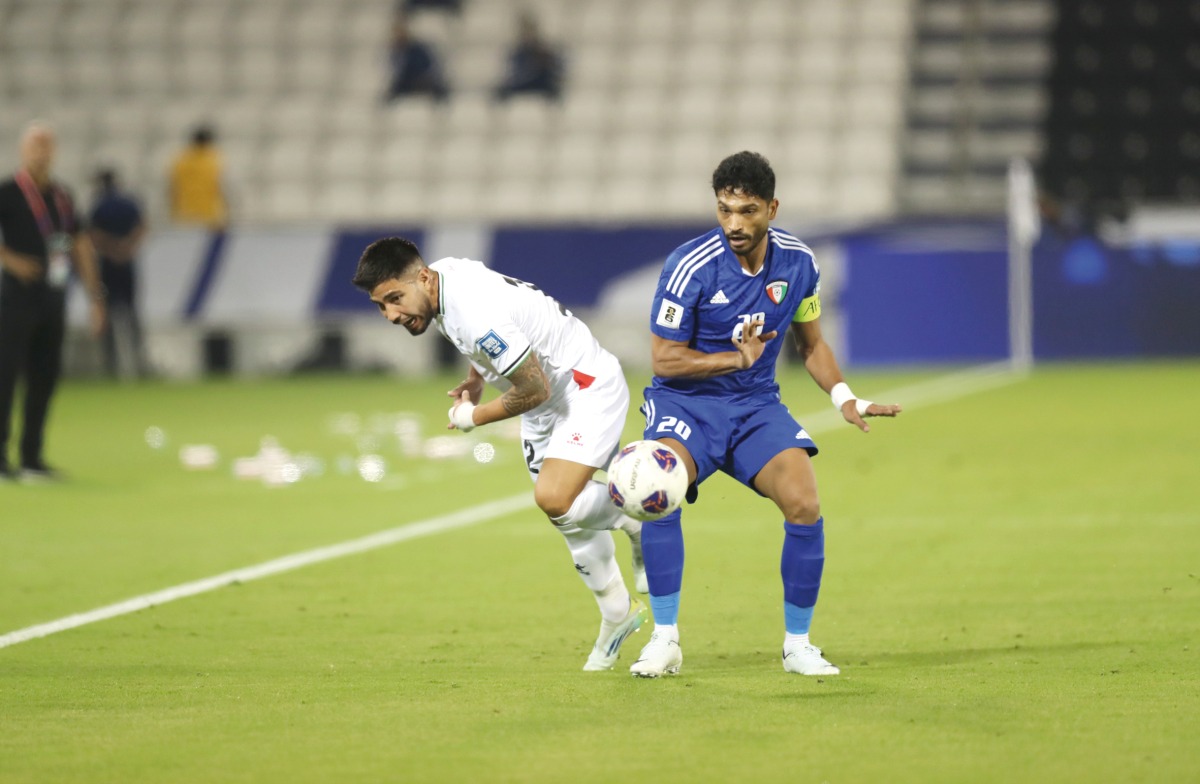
(977, 99)
(656, 94)
(1125, 91)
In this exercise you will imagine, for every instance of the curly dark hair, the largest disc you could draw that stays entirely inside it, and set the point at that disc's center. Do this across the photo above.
(747, 172)
(385, 259)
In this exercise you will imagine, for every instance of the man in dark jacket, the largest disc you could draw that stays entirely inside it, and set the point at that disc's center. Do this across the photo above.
(42, 240)
(117, 230)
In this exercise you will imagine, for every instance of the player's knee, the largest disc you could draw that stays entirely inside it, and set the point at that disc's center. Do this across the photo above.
(552, 501)
(802, 510)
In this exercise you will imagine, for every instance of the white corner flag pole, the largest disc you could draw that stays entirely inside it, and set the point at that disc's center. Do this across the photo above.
(1024, 226)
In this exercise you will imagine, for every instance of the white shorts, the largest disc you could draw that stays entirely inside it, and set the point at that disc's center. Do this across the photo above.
(584, 426)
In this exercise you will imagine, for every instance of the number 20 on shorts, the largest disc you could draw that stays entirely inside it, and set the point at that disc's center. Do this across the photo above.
(670, 424)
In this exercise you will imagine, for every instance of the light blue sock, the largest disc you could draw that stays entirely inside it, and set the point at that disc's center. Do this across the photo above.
(666, 609)
(797, 620)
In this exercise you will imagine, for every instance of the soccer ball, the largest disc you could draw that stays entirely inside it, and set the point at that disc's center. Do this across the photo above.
(647, 480)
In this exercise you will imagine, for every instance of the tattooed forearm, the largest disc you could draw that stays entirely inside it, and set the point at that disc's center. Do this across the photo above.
(530, 388)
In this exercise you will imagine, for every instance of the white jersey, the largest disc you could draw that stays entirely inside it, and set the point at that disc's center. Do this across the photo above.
(496, 321)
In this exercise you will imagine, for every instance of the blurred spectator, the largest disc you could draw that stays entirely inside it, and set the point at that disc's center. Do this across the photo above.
(416, 69)
(405, 6)
(117, 230)
(43, 240)
(197, 189)
(533, 66)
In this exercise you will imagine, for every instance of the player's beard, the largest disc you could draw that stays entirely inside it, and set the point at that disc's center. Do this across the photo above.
(752, 242)
(422, 320)
(417, 328)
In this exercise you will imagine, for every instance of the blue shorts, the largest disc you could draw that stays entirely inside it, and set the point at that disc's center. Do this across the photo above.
(739, 438)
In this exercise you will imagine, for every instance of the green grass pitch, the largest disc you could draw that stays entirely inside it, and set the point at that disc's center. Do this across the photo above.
(1012, 590)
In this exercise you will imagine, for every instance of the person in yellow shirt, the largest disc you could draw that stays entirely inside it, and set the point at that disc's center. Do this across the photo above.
(197, 193)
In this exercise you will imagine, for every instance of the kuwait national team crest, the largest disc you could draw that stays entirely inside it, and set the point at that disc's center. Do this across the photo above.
(777, 290)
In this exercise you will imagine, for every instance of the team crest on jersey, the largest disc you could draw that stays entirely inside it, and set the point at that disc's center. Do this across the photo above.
(492, 344)
(777, 290)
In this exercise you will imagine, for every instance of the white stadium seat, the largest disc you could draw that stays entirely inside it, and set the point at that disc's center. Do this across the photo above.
(89, 27)
(587, 112)
(285, 202)
(291, 159)
(642, 109)
(340, 161)
(31, 23)
(646, 67)
(575, 199)
(518, 157)
(513, 199)
(578, 156)
(470, 113)
(343, 201)
(477, 71)
(402, 160)
(593, 66)
(487, 22)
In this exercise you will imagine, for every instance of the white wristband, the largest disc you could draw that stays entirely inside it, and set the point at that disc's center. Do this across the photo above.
(462, 416)
(840, 394)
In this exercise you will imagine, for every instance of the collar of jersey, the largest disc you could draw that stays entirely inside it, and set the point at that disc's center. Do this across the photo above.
(734, 256)
(441, 294)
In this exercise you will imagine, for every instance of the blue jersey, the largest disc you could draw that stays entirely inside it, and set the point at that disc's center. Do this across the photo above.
(705, 297)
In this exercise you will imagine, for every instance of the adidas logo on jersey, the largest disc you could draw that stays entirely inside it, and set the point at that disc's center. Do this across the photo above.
(719, 299)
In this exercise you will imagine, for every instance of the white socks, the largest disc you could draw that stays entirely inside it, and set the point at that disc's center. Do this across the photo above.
(585, 527)
(593, 510)
(614, 604)
(798, 639)
(668, 630)
(593, 553)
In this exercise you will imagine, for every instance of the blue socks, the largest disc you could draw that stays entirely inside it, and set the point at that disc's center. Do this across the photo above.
(662, 547)
(801, 565)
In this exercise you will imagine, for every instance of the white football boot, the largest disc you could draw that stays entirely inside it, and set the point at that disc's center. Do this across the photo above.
(661, 656)
(608, 644)
(806, 659)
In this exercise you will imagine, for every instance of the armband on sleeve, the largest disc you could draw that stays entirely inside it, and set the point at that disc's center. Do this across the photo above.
(809, 310)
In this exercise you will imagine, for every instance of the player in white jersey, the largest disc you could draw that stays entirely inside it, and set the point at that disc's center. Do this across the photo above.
(569, 392)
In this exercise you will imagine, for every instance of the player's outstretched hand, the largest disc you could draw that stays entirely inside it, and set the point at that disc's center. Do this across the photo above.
(751, 343)
(851, 415)
(472, 385)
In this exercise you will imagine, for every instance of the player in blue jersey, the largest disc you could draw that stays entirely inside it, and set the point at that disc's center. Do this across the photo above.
(722, 300)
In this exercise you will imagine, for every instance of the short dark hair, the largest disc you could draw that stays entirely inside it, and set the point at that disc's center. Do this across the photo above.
(203, 135)
(106, 178)
(385, 259)
(747, 172)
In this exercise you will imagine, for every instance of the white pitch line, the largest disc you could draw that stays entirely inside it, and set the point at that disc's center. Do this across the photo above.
(935, 390)
(435, 525)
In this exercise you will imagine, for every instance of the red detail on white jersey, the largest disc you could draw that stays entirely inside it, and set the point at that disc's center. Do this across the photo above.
(582, 379)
